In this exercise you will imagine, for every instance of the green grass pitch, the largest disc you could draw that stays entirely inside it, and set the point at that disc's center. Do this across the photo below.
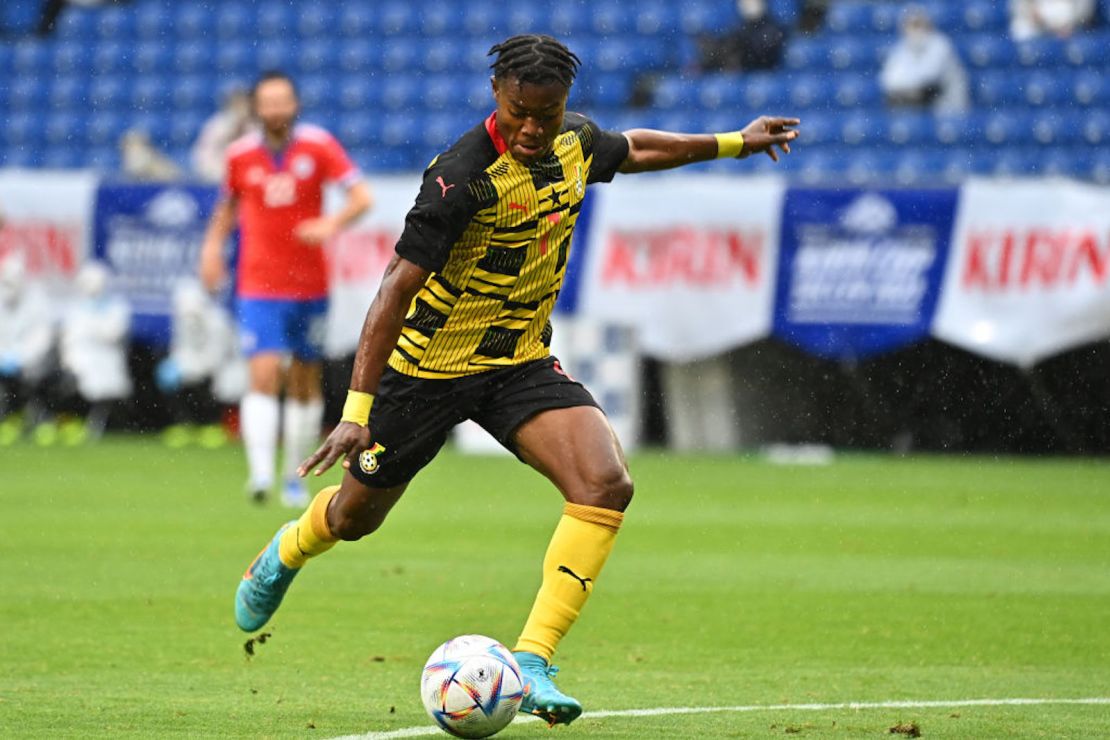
(734, 582)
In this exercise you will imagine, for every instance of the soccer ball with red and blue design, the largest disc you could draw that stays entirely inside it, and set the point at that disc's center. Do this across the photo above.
(471, 686)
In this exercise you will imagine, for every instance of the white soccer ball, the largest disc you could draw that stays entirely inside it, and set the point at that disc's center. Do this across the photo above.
(471, 686)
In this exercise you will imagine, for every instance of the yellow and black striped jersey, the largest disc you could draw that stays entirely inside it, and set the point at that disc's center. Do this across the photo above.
(495, 234)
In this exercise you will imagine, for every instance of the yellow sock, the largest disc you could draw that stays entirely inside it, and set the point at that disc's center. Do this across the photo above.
(578, 550)
(310, 536)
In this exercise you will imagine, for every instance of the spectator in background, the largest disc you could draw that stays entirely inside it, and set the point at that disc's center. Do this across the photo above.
(756, 44)
(204, 360)
(26, 341)
(923, 69)
(1032, 18)
(94, 349)
(223, 127)
(141, 160)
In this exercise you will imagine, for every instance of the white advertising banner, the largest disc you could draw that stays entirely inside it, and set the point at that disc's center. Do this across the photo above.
(1029, 271)
(47, 217)
(689, 261)
(357, 257)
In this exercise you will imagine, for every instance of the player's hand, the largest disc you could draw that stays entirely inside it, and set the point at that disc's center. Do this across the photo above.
(213, 271)
(767, 132)
(346, 441)
(316, 230)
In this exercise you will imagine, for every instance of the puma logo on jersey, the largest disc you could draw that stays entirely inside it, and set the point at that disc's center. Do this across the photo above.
(517, 207)
(444, 186)
(575, 576)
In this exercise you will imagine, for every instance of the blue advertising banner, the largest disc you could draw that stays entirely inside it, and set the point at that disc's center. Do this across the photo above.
(150, 235)
(859, 271)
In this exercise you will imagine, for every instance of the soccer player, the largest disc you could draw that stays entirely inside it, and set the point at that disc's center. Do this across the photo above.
(275, 182)
(459, 329)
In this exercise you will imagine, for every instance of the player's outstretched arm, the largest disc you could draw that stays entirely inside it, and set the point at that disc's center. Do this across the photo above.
(662, 150)
(380, 331)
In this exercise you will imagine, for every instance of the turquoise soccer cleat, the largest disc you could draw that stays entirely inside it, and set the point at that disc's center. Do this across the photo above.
(541, 697)
(263, 586)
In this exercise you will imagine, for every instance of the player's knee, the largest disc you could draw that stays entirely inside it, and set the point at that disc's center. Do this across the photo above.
(610, 489)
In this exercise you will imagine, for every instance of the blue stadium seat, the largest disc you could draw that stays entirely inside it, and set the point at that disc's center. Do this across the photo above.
(316, 56)
(23, 155)
(153, 21)
(150, 93)
(886, 16)
(62, 157)
(654, 18)
(1007, 127)
(707, 16)
(985, 15)
(316, 91)
(964, 161)
(863, 128)
(104, 128)
(402, 54)
(400, 92)
(673, 91)
(185, 128)
(192, 57)
(1064, 161)
(609, 18)
(27, 93)
(190, 21)
(63, 128)
(819, 128)
(804, 53)
(445, 55)
(276, 20)
(808, 91)
(236, 56)
(316, 20)
(360, 56)
(441, 91)
(68, 92)
(151, 56)
(397, 17)
(1059, 126)
(919, 166)
(355, 20)
(401, 129)
(104, 158)
(441, 130)
(438, 18)
(563, 19)
(610, 90)
(1089, 49)
(959, 128)
(1098, 168)
(1045, 88)
(851, 53)
(358, 130)
(30, 57)
(1091, 88)
(22, 129)
(1096, 127)
(1017, 161)
(278, 53)
(849, 16)
(989, 50)
(913, 129)
(856, 91)
(1042, 52)
(358, 93)
(116, 23)
(70, 56)
(77, 24)
(479, 96)
(992, 89)
(723, 90)
(234, 21)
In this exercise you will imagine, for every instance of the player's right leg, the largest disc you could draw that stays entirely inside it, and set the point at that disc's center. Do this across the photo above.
(348, 511)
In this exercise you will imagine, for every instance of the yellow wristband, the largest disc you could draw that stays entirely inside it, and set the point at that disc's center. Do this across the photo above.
(729, 145)
(356, 408)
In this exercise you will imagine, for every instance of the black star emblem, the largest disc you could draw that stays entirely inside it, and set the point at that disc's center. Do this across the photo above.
(555, 198)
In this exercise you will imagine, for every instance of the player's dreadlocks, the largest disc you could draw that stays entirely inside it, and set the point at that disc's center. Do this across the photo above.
(536, 59)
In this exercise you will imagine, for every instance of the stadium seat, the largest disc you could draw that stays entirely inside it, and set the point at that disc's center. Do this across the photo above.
(355, 21)
(358, 93)
(1016, 162)
(1089, 49)
(184, 128)
(359, 57)
(857, 91)
(149, 93)
(808, 91)
(276, 20)
(654, 18)
(400, 92)
(190, 21)
(919, 166)
(1045, 88)
(913, 129)
(995, 88)
(77, 24)
(151, 56)
(1058, 126)
(61, 157)
(70, 56)
(819, 128)
(985, 15)
(441, 92)
(316, 56)
(479, 96)
(1091, 88)
(848, 16)
(610, 18)
(22, 129)
(397, 17)
(67, 93)
(64, 128)
(1041, 53)
(116, 23)
(1062, 161)
(851, 53)
(234, 21)
(707, 16)
(30, 57)
(804, 53)
(358, 130)
(191, 57)
(672, 91)
(723, 90)
(988, 50)
(862, 129)
(610, 90)
(27, 93)
(316, 20)
(23, 155)
(1096, 127)
(444, 55)
(402, 54)
(960, 128)
(1007, 127)
(236, 55)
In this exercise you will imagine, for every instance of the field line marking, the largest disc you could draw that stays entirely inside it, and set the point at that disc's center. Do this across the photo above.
(428, 730)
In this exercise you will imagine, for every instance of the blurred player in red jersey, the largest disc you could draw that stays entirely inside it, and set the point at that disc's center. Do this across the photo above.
(275, 185)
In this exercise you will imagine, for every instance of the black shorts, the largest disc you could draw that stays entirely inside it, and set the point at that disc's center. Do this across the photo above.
(411, 417)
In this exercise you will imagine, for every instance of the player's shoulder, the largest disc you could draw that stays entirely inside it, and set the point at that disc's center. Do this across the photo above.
(248, 142)
(469, 156)
(313, 134)
(575, 121)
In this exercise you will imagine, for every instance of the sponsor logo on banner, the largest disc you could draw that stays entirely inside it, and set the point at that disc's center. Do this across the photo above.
(859, 271)
(688, 261)
(47, 218)
(1030, 272)
(151, 236)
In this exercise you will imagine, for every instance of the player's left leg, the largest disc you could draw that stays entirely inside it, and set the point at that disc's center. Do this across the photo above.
(303, 410)
(302, 416)
(577, 450)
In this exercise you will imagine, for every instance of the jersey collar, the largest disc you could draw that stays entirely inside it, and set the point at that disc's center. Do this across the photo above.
(495, 135)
